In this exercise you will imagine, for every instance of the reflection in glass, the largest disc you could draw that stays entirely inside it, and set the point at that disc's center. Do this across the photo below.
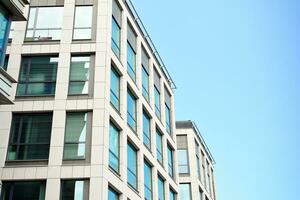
(83, 22)
(114, 148)
(79, 75)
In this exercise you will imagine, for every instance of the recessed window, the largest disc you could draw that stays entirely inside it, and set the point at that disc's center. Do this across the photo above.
(157, 94)
(131, 110)
(145, 74)
(159, 148)
(5, 22)
(74, 190)
(114, 137)
(79, 75)
(147, 181)
(75, 136)
(146, 130)
(42, 25)
(37, 76)
(115, 89)
(132, 166)
(160, 188)
(112, 194)
(30, 137)
(185, 191)
(131, 52)
(172, 195)
(182, 155)
(22, 190)
(168, 111)
(170, 161)
(83, 23)
(116, 28)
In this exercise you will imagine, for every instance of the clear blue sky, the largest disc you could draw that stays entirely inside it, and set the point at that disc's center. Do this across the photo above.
(237, 67)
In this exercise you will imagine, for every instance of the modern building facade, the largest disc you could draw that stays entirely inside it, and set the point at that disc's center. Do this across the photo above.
(195, 164)
(93, 112)
(10, 10)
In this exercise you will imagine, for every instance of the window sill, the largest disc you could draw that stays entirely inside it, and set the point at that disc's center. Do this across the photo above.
(34, 97)
(133, 189)
(115, 172)
(38, 42)
(20, 163)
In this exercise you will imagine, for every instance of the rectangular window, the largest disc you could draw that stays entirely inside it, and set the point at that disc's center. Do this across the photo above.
(160, 188)
(30, 136)
(200, 194)
(203, 169)
(147, 181)
(208, 178)
(170, 161)
(182, 155)
(75, 135)
(37, 76)
(131, 110)
(114, 149)
(4, 32)
(157, 94)
(132, 166)
(116, 28)
(145, 74)
(115, 89)
(112, 194)
(146, 130)
(198, 167)
(79, 75)
(167, 111)
(185, 191)
(172, 195)
(131, 52)
(83, 23)
(42, 25)
(159, 147)
(5, 65)
(74, 190)
(23, 190)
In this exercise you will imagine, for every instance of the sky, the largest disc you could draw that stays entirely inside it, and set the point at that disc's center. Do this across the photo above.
(236, 64)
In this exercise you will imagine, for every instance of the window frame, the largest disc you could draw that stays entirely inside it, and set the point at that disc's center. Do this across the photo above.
(85, 191)
(147, 136)
(113, 42)
(84, 28)
(159, 135)
(160, 179)
(112, 93)
(170, 161)
(136, 166)
(146, 163)
(110, 153)
(134, 118)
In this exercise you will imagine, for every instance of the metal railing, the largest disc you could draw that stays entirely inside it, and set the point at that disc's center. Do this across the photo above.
(149, 42)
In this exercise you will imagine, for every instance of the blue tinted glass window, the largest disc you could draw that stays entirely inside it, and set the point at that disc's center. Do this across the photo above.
(131, 166)
(159, 151)
(145, 84)
(172, 195)
(157, 102)
(114, 148)
(131, 62)
(160, 189)
(147, 181)
(115, 89)
(131, 110)
(115, 38)
(4, 30)
(168, 118)
(112, 195)
(146, 130)
(185, 191)
(170, 161)
(183, 166)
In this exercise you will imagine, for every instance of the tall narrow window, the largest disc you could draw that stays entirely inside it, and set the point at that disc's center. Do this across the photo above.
(185, 191)
(157, 94)
(79, 75)
(42, 25)
(112, 194)
(30, 136)
(116, 28)
(182, 154)
(160, 188)
(114, 142)
(115, 89)
(83, 23)
(131, 52)
(200, 194)
(74, 190)
(15, 190)
(203, 169)
(170, 161)
(167, 111)
(208, 187)
(159, 147)
(132, 166)
(37, 76)
(147, 181)
(4, 31)
(75, 136)
(145, 74)
(131, 110)
(172, 195)
(198, 160)
(146, 130)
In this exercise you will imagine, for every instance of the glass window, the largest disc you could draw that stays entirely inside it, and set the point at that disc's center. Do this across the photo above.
(182, 156)
(4, 31)
(112, 195)
(146, 130)
(11, 32)
(159, 149)
(131, 166)
(23, 190)
(37, 76)
(115, 37)
(208, 177)
(79, 75)
(172, 195)
(185, 191)
(131, 62)
(115, 89)
(42, 25)
(30, 136)
(170, 161)
(200, 194)
(161, 188)
(198, 167)
(131, 110)
(74, 190)
(168, 118)
(114, 147)
(147, 181)
(145, 84)
(83, 22)
(5, 65)
(157, 102)
(75, 135)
